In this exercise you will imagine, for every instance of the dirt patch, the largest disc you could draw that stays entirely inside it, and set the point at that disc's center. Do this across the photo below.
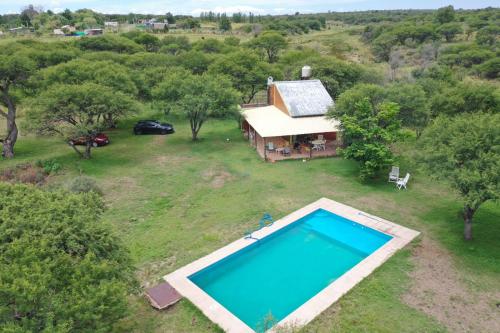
(164, 160)
(24, 173)
(217, 178)
(438, 291)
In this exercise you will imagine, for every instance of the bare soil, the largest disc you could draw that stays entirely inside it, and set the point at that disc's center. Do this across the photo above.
(438, 291)
(217, 178)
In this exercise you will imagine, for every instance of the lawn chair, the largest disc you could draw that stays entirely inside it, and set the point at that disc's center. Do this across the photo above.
(270, 146)
(394, 174)
(320, 137)
(402, 182)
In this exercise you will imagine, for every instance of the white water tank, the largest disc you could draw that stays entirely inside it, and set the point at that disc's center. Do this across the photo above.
(269, 81)
(306, 72)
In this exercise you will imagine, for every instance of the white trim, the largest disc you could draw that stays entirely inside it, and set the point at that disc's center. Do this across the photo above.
(318, 303)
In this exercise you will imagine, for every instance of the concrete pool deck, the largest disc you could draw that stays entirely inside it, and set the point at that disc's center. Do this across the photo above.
(319, 302)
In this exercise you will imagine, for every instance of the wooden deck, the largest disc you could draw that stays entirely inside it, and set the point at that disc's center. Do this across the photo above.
(331, 150)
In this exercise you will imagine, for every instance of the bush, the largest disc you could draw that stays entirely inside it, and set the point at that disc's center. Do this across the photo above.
(49, 166)
(82, 184)
(61, 268)
(109, 43)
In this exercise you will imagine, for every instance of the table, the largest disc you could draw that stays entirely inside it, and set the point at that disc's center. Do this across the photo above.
(319, 144)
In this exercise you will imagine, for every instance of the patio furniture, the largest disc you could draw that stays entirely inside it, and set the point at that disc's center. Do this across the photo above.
(320, 137)
(270, 146)
(319, 144)
(286, 151)
(394, 174)
(402, 182)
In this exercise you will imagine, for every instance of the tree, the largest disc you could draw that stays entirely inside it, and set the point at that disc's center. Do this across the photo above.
(106, 73)
(109, 43)
(467, 97)
(62, 269)
(271, 43)
(199, 98)
(465, 150)
(413, 108)
(450, 30)
(369, 131)
(15, 69)
(247, 73)
(488, 35)
(78, 110)
(445, 14)
(225, 24)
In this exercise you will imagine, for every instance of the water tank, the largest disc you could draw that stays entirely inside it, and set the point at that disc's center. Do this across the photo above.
(306, 72)
(270, 80)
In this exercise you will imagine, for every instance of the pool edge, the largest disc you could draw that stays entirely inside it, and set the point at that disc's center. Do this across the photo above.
(318, 303)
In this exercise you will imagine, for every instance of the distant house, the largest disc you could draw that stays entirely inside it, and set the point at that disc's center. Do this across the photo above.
(111, 24)
(58, 32)
(93, 32)
(293, 123)
(68, 28)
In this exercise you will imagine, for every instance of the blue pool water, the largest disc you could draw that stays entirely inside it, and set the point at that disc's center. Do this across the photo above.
(285, 269)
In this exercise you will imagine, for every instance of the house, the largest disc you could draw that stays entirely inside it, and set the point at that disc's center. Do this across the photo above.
(293, 123)
(68, 29)
(111, 24)
(93, 32)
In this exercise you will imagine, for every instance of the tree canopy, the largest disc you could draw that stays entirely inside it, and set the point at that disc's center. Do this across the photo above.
(61, 268)
(465, 150)
(199, 98)
(78, 110)
(270, 43)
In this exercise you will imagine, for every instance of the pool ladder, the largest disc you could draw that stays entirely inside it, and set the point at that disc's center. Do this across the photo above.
(265, 221)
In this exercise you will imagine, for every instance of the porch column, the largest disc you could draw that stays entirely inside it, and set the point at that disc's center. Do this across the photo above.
(265, 150)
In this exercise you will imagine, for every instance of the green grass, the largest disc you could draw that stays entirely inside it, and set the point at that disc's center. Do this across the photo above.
(172, 201)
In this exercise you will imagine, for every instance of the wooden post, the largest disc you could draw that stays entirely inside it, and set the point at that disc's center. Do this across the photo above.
(265, 150)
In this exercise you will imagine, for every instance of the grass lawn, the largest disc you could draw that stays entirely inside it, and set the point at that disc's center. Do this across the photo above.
(173, 201)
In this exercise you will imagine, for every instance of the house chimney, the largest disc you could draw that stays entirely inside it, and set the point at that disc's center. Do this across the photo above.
(306, 73)
(269, 84)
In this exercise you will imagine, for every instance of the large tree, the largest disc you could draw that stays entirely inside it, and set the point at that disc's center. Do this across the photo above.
(61, 268)
(270, 43)
(247, 73)
(199, 98)
(106, 73)
(368, 132)
(14, 73)
(465, 150)
(78, 110)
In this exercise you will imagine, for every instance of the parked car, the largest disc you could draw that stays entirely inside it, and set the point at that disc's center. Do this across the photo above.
(152, 127)
(101, 139)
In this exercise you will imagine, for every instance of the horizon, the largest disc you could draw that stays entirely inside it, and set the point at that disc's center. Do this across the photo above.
(258, 7)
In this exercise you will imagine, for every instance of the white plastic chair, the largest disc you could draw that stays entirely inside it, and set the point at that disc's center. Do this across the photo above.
(402, 182)
(394, 174)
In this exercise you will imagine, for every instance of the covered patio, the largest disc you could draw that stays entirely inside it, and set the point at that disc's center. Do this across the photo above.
(276, 136)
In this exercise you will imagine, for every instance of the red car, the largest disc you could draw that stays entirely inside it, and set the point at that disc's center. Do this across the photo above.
(101, 139)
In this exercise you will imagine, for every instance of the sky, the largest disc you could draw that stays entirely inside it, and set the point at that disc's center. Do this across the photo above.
(191, 7)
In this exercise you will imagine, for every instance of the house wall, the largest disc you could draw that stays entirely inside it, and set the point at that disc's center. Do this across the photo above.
(276, 100)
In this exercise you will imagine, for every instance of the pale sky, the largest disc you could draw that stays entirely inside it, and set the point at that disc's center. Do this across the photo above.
(192, 7)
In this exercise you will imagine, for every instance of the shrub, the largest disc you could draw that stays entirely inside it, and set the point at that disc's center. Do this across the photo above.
(49, 166)
(82, 184)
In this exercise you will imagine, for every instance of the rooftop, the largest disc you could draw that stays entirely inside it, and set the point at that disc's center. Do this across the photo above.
(304, 98)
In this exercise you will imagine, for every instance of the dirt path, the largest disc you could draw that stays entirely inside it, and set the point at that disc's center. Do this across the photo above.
(438, 291)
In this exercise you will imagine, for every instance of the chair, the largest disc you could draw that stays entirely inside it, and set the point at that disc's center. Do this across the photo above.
(286, 151)
(270, 146)
(402, 182)
(394, 174)
(320, 137)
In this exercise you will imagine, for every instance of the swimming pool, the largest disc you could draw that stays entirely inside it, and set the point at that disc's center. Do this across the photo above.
(297, 268)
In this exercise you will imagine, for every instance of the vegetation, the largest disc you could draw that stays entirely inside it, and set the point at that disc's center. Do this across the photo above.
(465, 150)
(199, 98)
(430, 75)
(368, 130)
(62, 270)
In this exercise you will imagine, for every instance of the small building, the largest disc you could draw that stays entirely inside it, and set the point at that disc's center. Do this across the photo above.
(293, 123)
(93, 32)
(68, 29)
(111, 24)
(58, 32)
